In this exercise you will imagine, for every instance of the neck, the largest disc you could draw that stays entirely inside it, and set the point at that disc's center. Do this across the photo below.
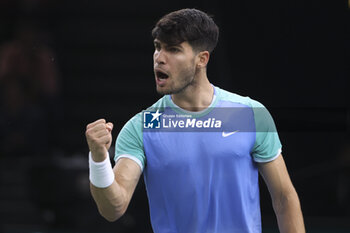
(197, 96)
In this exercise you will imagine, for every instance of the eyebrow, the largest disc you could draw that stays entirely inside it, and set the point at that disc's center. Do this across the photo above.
(158, 42)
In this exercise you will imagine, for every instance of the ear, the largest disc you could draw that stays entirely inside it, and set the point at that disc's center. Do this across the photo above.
(203, 58)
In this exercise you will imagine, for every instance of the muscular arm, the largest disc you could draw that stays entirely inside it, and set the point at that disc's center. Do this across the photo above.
(113, 201)
(284, 197)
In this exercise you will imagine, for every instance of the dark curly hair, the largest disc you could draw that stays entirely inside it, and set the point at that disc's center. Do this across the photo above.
(191, 25)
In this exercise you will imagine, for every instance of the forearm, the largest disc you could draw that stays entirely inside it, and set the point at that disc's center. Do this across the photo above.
(111, 188)
(110, 201)
(106, 191)
(289, 214)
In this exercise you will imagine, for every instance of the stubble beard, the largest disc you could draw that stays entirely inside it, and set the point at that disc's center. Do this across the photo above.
(186, 79)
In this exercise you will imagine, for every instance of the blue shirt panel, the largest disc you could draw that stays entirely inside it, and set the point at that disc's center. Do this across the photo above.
(202, 181)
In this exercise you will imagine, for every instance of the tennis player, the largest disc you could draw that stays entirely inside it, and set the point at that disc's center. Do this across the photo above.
(200, 148)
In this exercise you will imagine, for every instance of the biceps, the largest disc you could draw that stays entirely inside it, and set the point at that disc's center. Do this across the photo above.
(276, 177)
(127, 174)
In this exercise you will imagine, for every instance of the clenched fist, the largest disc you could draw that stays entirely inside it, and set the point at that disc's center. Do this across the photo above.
(99, 138)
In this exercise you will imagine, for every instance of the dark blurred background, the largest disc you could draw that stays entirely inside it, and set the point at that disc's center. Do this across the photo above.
(64, 64)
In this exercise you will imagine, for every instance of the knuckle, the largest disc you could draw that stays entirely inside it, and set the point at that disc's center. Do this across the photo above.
(89, 125)
(100, 126)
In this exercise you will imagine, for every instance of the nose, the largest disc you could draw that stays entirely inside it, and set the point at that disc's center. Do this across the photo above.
(159, 57)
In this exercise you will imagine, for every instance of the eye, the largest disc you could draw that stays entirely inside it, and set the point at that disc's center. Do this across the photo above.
(157, 46)
(174, 49)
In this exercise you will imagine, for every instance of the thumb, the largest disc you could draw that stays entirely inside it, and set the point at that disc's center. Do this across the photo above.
(109, 126)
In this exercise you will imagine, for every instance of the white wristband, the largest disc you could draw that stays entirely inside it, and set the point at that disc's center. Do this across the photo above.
(101, 173)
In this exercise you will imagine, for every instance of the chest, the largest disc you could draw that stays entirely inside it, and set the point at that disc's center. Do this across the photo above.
(169, 150)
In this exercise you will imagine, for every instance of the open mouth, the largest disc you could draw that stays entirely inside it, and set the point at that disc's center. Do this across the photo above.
(161, 75)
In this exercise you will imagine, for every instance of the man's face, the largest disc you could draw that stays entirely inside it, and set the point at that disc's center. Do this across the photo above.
(174, 67)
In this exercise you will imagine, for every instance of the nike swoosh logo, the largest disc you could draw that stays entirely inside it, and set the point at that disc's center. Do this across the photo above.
(224, 134)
